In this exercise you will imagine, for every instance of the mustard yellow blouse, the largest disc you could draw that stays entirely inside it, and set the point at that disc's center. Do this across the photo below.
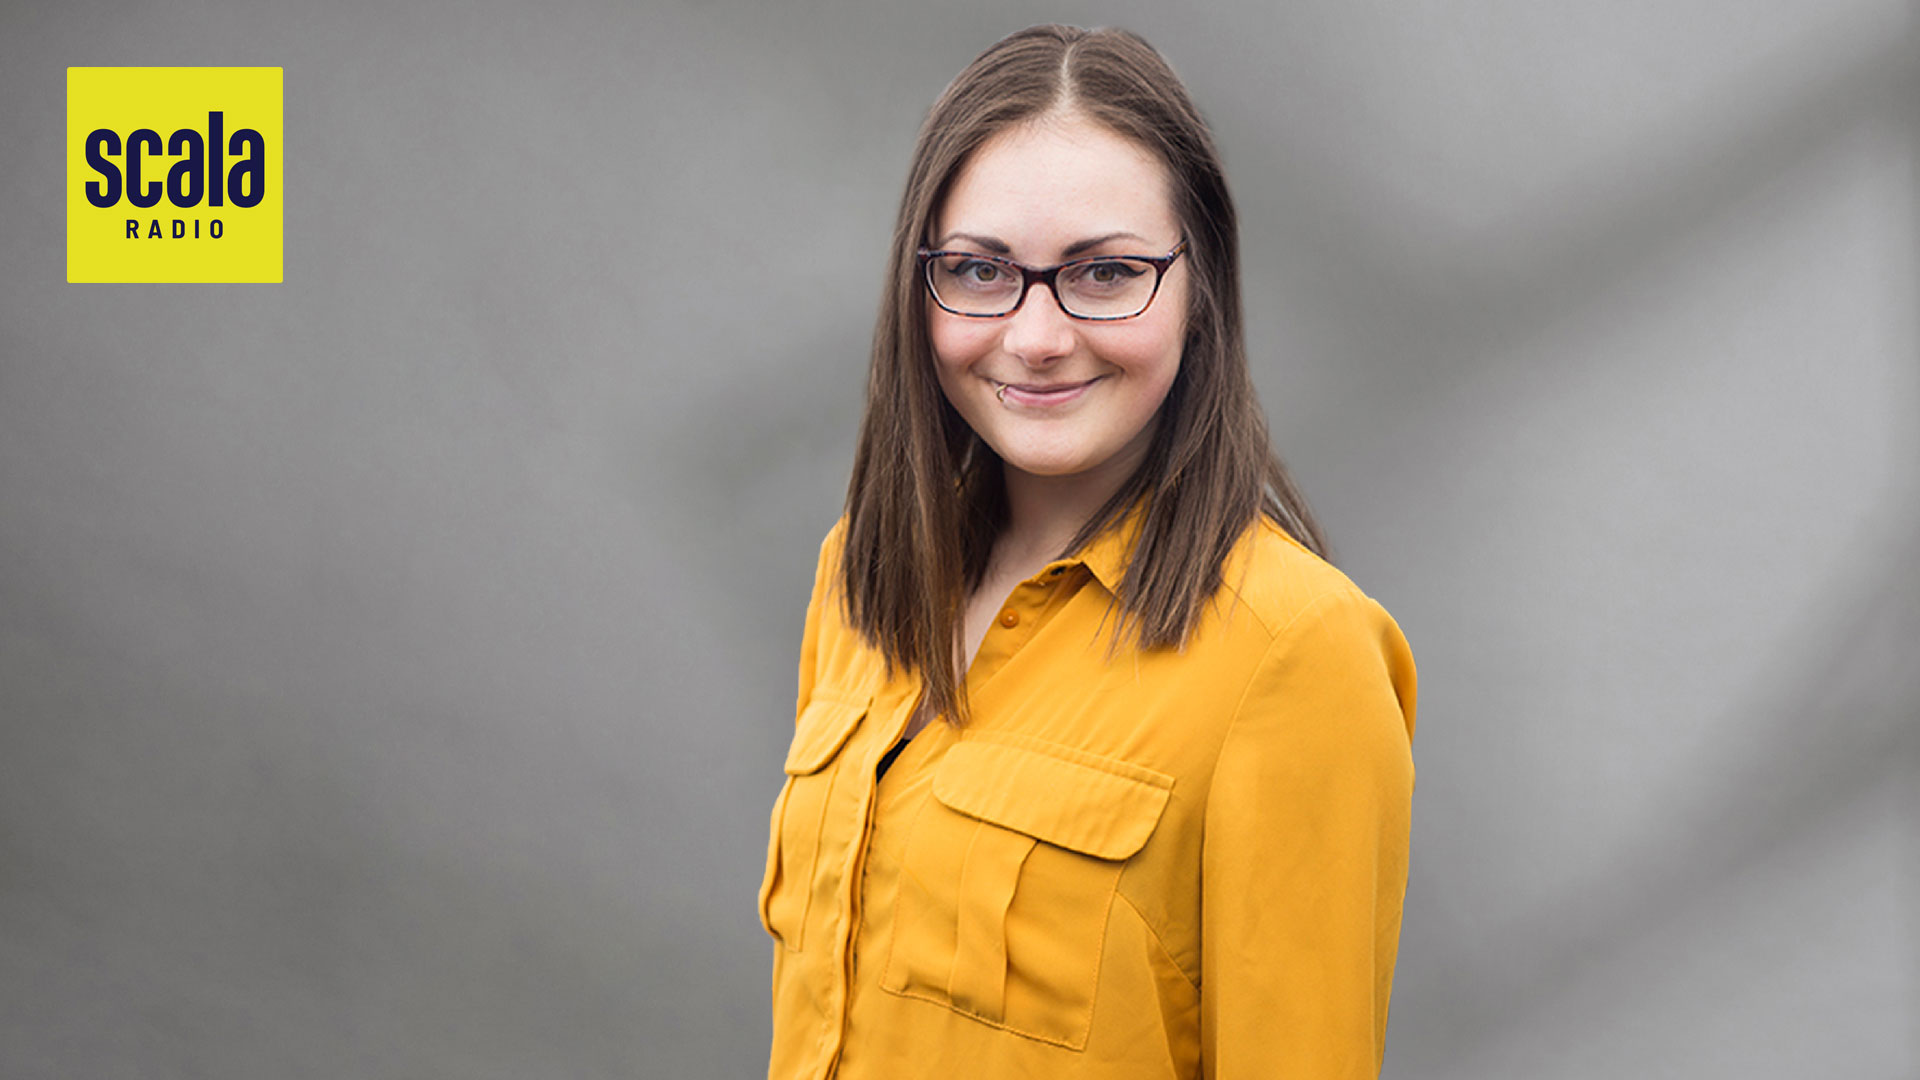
(1137, 864)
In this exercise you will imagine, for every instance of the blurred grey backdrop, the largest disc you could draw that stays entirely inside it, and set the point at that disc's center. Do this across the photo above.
(395, 663)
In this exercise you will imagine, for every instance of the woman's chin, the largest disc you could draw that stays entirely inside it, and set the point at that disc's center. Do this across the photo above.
(1049, 466)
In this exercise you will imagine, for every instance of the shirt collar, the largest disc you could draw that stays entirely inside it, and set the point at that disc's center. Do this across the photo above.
(1108, 553)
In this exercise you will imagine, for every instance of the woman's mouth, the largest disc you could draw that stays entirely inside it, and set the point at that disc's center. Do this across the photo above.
(1038, 395)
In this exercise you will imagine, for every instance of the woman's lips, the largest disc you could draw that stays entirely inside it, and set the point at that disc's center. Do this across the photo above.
(1040, 397)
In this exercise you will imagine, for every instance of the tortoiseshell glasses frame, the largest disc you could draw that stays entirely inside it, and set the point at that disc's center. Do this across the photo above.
(1048, 276)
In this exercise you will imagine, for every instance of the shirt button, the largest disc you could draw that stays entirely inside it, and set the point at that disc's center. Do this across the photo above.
(1009, 618)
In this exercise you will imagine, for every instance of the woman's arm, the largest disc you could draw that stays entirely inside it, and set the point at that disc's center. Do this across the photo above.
(1305, 858)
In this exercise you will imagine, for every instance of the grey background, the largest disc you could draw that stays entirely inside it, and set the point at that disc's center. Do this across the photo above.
(395, 663)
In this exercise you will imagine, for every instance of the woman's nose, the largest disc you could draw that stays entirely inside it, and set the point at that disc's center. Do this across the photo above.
(1039, 331)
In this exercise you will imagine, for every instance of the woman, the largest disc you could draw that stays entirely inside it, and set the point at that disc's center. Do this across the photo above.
(1099, 769)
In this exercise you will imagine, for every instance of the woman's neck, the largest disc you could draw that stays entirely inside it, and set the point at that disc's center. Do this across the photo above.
(1045, 512)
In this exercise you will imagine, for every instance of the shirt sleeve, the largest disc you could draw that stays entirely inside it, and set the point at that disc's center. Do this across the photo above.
(1305, 851)
(823, 576)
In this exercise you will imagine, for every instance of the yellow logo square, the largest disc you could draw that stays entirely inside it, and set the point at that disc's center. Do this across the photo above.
(173, 174)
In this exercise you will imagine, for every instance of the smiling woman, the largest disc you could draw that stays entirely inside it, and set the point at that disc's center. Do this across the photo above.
(1066, 403)
(1099, 768)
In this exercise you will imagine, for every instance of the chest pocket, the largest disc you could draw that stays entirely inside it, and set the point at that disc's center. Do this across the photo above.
(1007, 879)
(801, 833)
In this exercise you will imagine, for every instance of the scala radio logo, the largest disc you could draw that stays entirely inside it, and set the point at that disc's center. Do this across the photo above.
(173, 174)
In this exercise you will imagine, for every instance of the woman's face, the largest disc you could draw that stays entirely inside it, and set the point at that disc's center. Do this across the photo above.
(1053, 395)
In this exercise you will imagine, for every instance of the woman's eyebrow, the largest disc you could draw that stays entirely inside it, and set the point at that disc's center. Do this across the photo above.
(1088, 245)
(999, 247)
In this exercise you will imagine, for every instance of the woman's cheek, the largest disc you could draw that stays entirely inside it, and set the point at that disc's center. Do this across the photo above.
(958, 347)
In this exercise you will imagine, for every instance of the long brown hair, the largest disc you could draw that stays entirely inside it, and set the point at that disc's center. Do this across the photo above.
(927, 498)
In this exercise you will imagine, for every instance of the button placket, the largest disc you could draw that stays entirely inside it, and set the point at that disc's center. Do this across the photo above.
(1027, 607)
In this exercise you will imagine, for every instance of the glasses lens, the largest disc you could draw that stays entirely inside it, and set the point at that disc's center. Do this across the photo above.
(974, 284)
(1107, 288)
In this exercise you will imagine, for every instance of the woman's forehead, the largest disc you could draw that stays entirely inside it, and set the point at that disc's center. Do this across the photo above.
(1042, 188)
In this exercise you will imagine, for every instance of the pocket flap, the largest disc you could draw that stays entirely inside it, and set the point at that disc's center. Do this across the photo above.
(823, 729)
(1093, 805)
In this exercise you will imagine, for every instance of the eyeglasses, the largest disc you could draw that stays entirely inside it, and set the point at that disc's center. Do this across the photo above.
(1099, 288)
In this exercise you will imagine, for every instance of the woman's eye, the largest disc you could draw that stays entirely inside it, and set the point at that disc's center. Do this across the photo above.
(1108, 273)
(978, 272)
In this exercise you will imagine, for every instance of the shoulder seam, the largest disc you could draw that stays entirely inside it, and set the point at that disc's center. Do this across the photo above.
(1350, 590)
(1236, 585)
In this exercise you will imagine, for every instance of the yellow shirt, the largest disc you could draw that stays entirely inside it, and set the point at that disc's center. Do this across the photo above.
(1144, 864)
